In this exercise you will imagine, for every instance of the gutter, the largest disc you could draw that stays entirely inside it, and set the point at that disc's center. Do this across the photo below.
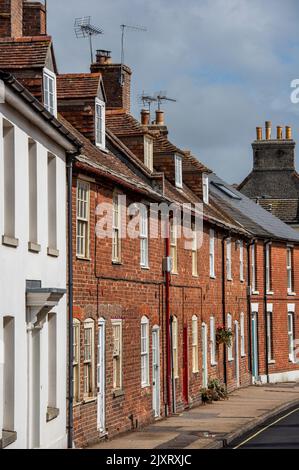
(265, 311)
(168, 330)
(249, 306)
(224, 304)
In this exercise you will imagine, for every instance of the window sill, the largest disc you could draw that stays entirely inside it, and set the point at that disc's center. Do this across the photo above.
(83, 258)
(214, 364)
(174, 273)
(196, 276)
(292, 361)
(270, 292)
(34, 247)
(52, 413)
(243, 355)
(271, 361)
(10, 241)
(8, 437)
(212, 276)
(118, 393)
(88, 400)
(116, 263)
(53, 252)
(144, 386)
(229, 279)
(255, 292)
(146, 268)
(195, 372)
(230, 360)
(292, 294)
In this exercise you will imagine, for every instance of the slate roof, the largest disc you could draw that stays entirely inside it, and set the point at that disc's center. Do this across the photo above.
(249, 214)
(78, 85)
(25, 52)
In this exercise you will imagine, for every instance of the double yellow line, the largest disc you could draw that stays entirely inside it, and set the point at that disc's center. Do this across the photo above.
(265, 428)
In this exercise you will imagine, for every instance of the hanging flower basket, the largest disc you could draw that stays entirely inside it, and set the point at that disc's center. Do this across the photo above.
(224, 336)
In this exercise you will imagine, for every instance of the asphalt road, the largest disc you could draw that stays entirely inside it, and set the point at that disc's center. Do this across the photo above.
(282, 433)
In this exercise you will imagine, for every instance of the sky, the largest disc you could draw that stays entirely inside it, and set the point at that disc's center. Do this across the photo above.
(228, 63)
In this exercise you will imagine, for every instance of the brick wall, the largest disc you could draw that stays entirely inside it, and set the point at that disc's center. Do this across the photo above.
(11, 12)
(34, 19)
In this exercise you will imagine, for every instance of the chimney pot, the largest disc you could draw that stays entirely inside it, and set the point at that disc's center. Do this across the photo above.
(268, 130)
(279, 132)
(159, 117)
(145, 117)
(288, 133)
(259, 133)
(103, 56)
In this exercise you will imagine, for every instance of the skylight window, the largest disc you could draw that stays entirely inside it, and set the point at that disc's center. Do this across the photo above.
(227, 191)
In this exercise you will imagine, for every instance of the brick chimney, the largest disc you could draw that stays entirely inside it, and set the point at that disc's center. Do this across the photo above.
(34, 19)
(273, 154)
(117, 80)
(11, 14)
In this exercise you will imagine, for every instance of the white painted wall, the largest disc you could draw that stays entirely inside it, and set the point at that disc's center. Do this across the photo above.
(18, 265)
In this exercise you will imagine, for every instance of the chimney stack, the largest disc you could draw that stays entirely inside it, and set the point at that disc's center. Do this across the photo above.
(34, 19)
(279, 132)
(11, 18)
(159, 117)
(145, 117)
(288, 133)
(116, 79)
(268, 130)
(259, 133)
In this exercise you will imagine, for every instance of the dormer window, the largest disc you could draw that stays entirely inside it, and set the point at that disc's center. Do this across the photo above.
(205, 188)
(178, 171)
(50, 96)
(100, 123)
(148, 152)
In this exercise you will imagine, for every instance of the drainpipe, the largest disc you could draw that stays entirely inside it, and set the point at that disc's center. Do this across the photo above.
(265, 311)
(224, 303)
(167, 324)
(249, 305)
(69, 165)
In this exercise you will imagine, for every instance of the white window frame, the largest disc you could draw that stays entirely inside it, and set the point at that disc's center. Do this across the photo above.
(48, 75)
(76, 359)
(229, 259)
(195, 359)
(100, 135)
(175, 356)
(194, 254)
(290, 270)
(291, 338)
(83, 219)
(241, 254)
(88, 361)
(116, 229)
(230, 327)
(143, 214)
(178, 171)
(269, 335)
(144, 350)
(242, 334)
(174, 246)
(148, 152)
(117, 356)
(253, 269)
(212, 253)
(213, 341)
(268, 268)
(205, 188)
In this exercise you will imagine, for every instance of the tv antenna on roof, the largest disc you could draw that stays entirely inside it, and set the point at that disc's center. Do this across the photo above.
(84, 29)
(123, 28)
(162, 96)
(147, 100)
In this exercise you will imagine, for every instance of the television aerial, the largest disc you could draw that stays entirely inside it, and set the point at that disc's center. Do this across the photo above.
(148, 100)
(84, 29)
(123, 28)
(162, 96)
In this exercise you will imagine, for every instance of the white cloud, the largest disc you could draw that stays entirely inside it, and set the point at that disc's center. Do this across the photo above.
(228, 62)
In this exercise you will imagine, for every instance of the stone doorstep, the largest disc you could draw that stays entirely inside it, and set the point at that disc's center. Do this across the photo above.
(252, 425)
(8, 437)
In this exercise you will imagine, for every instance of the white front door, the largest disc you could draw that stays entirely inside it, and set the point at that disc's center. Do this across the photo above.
(101, 377)
(204, 343)
(156, 371)
(237, 363)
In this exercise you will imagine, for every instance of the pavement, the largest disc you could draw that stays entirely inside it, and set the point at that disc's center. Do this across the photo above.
(214, 425)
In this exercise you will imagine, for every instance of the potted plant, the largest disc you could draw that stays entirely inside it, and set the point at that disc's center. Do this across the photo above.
(224, 336)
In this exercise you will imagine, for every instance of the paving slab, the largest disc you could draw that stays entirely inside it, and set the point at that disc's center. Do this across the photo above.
(213, 425)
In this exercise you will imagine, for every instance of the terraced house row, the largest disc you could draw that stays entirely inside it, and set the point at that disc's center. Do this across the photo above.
(125, 330)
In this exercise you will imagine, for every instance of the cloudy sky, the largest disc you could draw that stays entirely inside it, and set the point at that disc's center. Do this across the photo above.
(229, 64)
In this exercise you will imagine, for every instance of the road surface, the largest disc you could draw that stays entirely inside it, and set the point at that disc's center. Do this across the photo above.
(281, 433)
